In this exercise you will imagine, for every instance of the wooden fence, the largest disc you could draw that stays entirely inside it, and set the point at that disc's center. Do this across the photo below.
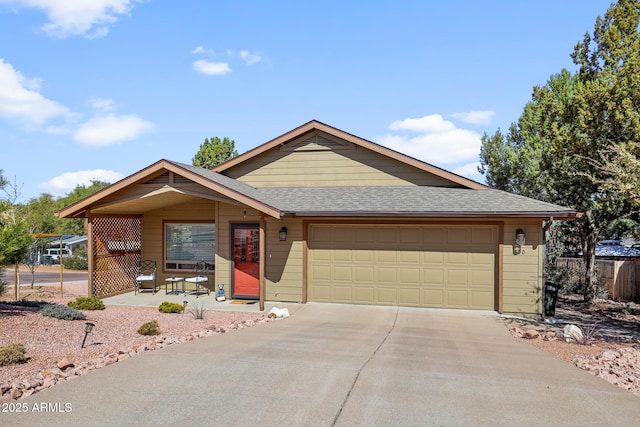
(622, 277)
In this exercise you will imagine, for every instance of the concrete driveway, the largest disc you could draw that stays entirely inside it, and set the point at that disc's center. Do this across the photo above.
(341, 365)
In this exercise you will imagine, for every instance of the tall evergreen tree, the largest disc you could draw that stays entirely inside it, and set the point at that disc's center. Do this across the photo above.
(214, 151)
(556, 149)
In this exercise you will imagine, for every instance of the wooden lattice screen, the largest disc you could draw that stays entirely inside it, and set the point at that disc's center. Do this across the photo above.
(117, 243)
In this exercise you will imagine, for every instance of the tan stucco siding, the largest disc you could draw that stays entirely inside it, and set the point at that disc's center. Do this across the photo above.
(153, 233)
(349, 167)
(284, 264)
(522, 272)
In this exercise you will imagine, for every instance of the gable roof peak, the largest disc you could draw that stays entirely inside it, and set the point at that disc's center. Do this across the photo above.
(356, 140)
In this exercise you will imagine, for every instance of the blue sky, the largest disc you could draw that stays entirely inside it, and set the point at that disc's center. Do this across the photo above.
(99, 89)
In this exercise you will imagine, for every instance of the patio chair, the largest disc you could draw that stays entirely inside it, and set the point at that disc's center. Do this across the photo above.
(146, 273)
(200, 280)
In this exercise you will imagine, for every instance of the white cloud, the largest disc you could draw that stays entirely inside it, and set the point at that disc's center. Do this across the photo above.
(203, 50)
(475, 117)
(111, 129)
(432, 123)
(102, 105)
(20, 99)
(68, 181)
(448, 147)
(250, 58)
(211, 68)
(90, 18)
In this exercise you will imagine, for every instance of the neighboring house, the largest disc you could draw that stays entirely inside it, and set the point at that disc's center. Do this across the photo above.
(321, 215)
(64, 245)
(614, 249)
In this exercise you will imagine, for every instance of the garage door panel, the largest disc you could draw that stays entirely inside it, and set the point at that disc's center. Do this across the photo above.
(364, 274)
(409, 296)
(482, 236)
(387, 257)
(409, 236)
(321, 293)
(435, 266)
(482, 278)
(433, 298)
(481, 300)
(409, 257)
(457, 278)
(345, 256)
(362, 255)
(435, 258)
(320, 273)
(461, 258)
(387, 295)
(410, 276)
(386, 274)
(343, 274)
(479, 259)
(364, 294)
(457, 235)
(457, 299)
(342, 293)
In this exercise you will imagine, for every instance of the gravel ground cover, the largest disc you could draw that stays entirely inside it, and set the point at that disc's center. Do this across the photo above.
(53, 343)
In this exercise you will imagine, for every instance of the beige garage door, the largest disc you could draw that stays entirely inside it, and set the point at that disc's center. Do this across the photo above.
(429, 266)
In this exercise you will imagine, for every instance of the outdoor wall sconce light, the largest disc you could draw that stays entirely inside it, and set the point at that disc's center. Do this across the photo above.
(184, 304)
(520, 241)
(88, 327)
(283, 234)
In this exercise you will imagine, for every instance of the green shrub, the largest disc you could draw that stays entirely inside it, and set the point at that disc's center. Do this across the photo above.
(87, 303)
(27, 303)
(170, 307)
(149, 328)
(12, 353)
(77, 261)
(62, 312)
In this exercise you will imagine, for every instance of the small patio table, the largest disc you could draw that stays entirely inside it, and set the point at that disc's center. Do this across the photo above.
(174, 285)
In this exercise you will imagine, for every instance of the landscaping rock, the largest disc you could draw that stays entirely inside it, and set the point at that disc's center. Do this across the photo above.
(64, 363)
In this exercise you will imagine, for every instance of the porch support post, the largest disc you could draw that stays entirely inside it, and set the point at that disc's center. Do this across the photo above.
(263, 259)
(90, 255)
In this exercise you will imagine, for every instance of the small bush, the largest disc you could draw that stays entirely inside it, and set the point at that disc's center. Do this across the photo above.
(87, 303)
(62, 312)
(170, 307)
(27, 303)
(12, 353)
(149, 328)
(77, 261)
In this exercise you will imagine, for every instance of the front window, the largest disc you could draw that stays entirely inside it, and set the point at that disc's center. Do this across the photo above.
(185, 244)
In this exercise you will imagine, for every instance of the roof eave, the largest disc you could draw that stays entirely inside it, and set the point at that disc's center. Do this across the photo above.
(81, 207)
(461, 215)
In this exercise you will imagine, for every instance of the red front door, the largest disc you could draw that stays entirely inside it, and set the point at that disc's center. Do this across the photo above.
(246, 261)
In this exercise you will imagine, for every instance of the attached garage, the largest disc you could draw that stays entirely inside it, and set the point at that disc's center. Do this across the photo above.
(448, 266)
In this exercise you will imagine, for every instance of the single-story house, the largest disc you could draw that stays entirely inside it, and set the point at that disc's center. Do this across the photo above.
(318, 214)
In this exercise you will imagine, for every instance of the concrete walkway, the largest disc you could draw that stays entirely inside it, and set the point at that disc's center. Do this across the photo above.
(341, 365)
